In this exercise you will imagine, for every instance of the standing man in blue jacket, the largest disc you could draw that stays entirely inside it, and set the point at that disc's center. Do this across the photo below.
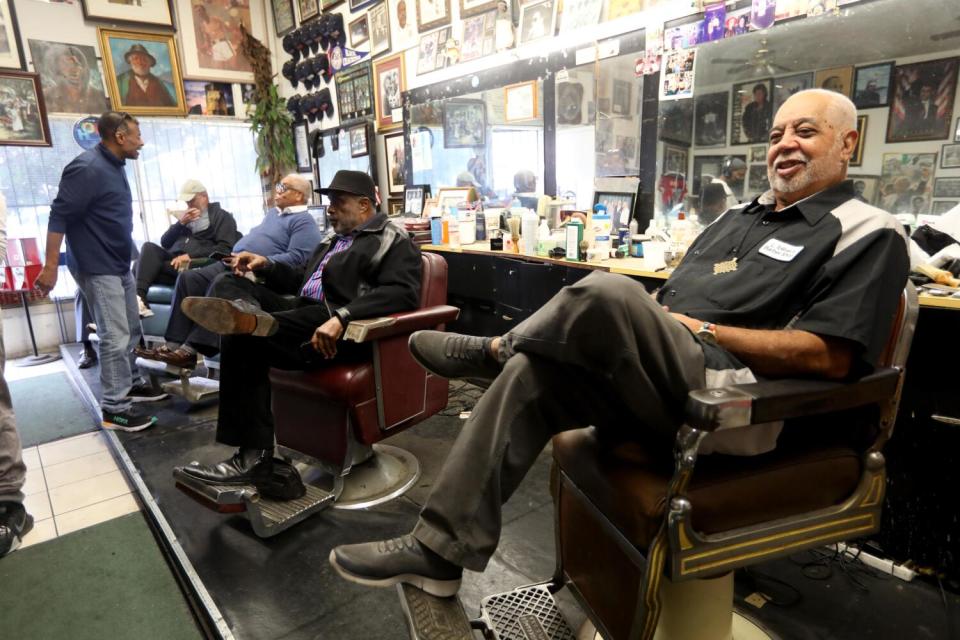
(93, 209)
(287, 235)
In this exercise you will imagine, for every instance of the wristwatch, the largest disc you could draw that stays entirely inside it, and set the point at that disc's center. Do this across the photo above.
(708, 332)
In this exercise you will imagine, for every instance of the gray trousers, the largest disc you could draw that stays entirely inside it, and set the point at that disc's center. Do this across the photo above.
(601, 352)
(12, 469)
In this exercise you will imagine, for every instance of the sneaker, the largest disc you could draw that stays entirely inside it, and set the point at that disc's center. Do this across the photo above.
(404, 559)
(454, 355)
(145, 393)
(15, 523)
(229, 317)
(130, 420)
(88, 358)
(145, 311)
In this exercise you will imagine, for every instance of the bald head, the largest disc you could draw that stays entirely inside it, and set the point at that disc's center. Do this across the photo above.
(814, 134)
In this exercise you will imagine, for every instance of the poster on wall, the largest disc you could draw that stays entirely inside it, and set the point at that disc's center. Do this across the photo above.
(142, 72)
(70, 77)
(25, 116)
(906, 182)
(211, 38)
(714, 17)
(11, 49)
(751, 112)
(677, 74)
(922, 104)
(762, 13)
(130, 12)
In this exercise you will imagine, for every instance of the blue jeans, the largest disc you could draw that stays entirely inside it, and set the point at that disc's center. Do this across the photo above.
(12, 469)
(113, 305)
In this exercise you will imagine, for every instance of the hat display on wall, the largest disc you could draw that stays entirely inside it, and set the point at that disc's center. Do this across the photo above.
(289, 72)
(295, 107)
(321, 68)
(326, 102)
(290, 46)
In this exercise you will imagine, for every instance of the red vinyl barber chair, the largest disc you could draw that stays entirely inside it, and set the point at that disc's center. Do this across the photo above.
(330, 421)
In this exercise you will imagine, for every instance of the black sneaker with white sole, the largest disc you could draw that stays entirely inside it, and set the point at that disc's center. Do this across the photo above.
(146, 393)
(131, 420)
(15, 523)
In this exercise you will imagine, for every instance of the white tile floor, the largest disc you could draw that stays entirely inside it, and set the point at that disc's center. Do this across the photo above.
(71, 483)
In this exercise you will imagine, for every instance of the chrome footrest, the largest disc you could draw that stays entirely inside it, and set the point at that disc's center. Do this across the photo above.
(432, 618)
(527, 613)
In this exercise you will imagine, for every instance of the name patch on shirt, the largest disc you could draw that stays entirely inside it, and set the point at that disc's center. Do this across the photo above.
(781, 251)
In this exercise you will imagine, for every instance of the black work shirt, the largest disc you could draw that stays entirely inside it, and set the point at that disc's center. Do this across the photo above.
(829, 264)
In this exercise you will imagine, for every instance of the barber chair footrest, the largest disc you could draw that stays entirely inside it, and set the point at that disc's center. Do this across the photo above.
(432, 618)
(195, 389)
(527, 612)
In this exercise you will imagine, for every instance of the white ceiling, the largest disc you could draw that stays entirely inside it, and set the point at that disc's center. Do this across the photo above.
(868, 32)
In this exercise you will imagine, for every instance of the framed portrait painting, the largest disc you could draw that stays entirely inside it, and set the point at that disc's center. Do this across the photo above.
(23, 115)
(11, 53)
(871, 85)
(389, 83)
(211, 38)
(857, 158)
(403, 24)
(379, 29)
(464, 123)
(922, 104)
(309, 9)
(358, 141)
(432, 13)
(839, 79)
(283, 19)
(142, 72)
(395, 154)
(70, 77)
(154, 13)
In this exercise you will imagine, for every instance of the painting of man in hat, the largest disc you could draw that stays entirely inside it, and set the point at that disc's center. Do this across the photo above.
(138, 86)
(142, 72)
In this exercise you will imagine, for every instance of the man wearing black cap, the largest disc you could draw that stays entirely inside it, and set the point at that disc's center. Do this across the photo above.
(138, 87)
(365, 267)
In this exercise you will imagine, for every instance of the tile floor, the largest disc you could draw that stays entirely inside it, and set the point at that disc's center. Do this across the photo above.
(71, 483)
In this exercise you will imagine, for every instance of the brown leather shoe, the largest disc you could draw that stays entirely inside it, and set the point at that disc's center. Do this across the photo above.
(229, 317)
(145, 352)
(178, 358)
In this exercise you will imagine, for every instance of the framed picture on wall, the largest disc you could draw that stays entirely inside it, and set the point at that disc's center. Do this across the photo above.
(839, 79)
(359, 31)
(758, 154)
(413, 200)
(786, 86)
(922, 104)
(857, 158)
(355, 92)
(432, 13)
(866, 187)
(154, 56)
(478, 36)
(208, 98)
(538, 20)
(520, 101)
(676, 121)
(757, 181)
(309, 9)
(946, 188)
(379, 29)
(11, 55)
(218, 55)
(710, 119)
(283, 19)
(25, 122)
(301, 147)
(156, 13)
(70, 76)
(950, 156)
(940, 207)
(751, 111)
(674, 160)
(905, 182)
(389, 83)
(464, 124)
(394, 206)
(427, 52)
(395, 154)
(619, 206)
(358, 141)
(872, 84)
(473, 7)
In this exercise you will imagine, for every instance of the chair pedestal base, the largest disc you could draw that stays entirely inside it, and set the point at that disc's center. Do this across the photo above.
(703, 610)
(385, 475)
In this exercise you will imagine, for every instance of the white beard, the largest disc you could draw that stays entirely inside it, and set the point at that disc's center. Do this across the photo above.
(815, 170)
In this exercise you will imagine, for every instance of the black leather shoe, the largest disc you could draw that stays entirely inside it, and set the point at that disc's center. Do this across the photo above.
(454, 355)
(404, 559)
(15, 523)
(87, 359)
(273, 478)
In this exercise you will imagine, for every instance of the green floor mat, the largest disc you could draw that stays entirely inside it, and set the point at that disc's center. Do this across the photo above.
(48, 408)
(106, 581)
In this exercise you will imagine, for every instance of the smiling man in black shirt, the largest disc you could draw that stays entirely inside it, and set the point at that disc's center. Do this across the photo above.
(803, 281)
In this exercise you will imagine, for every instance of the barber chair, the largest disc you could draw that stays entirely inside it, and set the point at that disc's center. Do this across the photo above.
(648, 545)
(330, 422)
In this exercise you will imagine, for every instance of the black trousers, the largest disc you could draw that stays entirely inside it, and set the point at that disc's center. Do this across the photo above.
(154, 268)
(245, 418)
(181, 329)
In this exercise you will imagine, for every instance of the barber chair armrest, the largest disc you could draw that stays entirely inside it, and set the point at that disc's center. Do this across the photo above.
(372, 329)
(772, 400)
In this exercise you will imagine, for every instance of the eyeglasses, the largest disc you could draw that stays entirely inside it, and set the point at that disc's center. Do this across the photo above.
(281, 188)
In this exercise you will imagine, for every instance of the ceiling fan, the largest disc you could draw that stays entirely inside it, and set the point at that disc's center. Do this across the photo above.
(759, 64)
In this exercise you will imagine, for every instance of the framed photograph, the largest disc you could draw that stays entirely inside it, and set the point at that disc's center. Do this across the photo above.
(674, 160)
(389, 83)
(570, 106)
(24, 116)
(751, 111)
(857, 158)
(520, 101)
(413, 201)
(358, 141)
(154, 13)
(871, 85)
(786, 86)
(283, 19)
(710, 119)
(538, 20)
(379, 29)
(395, 207)
(906, 182)
(208, 98)
(453, 196)
(470, 8)
(940, 207)
(427, 52)
(676, 121)
(464, 124)
(396, 157)
(946, 188)
(478, 36)
(621, 97)
(950, 156)
(839, 79)
(706, 168)
(142, 73)
(758, 154)
(922, 104)
(403, 24)
(359, 31)
(757, 181)
(247, 92)
(11, 53)
(579, 14)
(70, 77)
(432, 14)
(866, 188)
(319, 214)
(354, 92)
(309, 9)
(301, 147)
(211, 39)
(619, 206)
